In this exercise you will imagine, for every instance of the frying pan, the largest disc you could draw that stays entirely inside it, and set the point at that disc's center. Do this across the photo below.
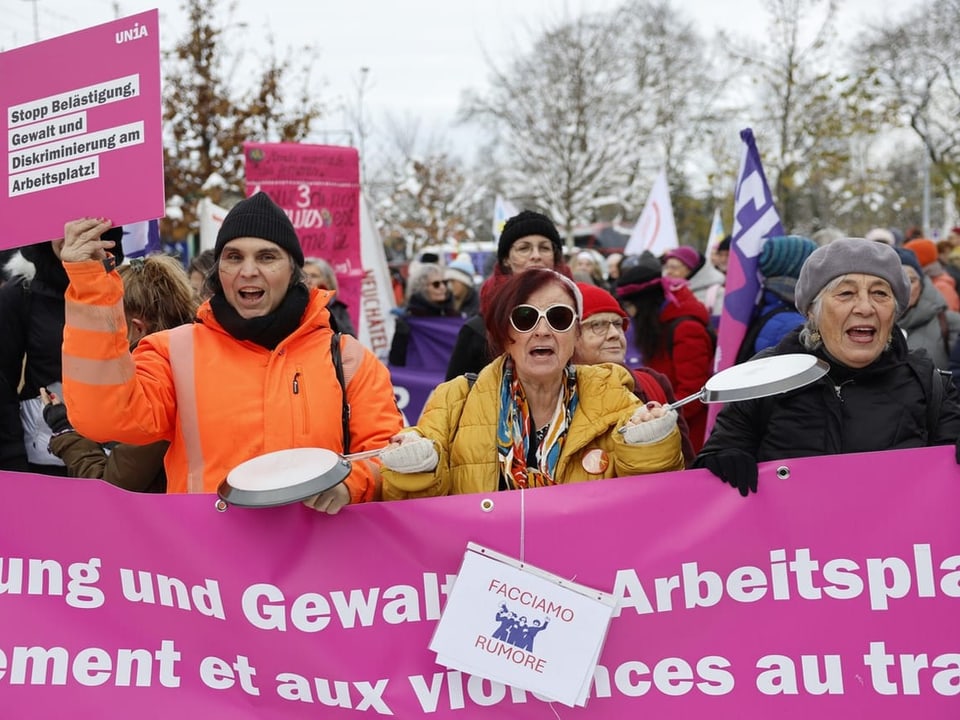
(758, 378)
(286, 476)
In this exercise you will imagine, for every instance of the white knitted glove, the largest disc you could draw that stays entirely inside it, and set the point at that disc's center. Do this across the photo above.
(411, 456)
(650, 431)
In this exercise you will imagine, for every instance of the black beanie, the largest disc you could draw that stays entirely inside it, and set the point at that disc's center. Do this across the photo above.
(523, 224)
(260, 217)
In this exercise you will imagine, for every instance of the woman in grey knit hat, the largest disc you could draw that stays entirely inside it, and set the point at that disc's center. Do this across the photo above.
(877, 395)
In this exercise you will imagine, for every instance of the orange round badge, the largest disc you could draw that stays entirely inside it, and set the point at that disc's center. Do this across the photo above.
(595, 461)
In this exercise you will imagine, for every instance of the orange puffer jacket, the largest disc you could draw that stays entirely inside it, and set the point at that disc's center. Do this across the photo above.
(241, 399)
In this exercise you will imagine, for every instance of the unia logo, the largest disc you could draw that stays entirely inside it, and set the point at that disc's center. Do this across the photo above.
(135, 33)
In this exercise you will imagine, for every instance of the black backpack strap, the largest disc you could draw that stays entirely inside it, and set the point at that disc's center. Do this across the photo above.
(756, 326)
(338, 367)
(936, 400)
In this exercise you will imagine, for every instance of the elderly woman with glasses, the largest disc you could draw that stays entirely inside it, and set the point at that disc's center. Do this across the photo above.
(427, 296)
(531, 418)
(603, 339)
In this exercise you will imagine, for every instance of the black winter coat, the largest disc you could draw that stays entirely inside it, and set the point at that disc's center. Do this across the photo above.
(31, 336)
(883, 406)
(471, 353)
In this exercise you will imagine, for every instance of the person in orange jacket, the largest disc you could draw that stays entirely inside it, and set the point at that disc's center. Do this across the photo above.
(253, 375)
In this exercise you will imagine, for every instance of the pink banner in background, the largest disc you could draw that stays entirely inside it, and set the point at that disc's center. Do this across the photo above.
(833, 593)
(81, 121)
(319, 188)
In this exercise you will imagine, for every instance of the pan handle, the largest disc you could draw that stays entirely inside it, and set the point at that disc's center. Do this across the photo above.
(688, 399)
(676, 404)
(364, 454)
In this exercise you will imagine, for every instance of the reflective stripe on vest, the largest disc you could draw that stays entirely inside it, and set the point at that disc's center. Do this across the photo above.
(106, 319)
(98, 318)
(116, 371)
(184, 381)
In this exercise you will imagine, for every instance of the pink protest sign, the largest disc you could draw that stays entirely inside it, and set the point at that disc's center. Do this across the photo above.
(81, 128)
(832, 593)
(319, 188)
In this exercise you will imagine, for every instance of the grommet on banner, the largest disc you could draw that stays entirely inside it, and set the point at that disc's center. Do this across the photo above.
(783, 472)
(221, 505)
(486, 504)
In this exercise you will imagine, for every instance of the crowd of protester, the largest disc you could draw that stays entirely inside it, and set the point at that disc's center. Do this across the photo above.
(155, 360)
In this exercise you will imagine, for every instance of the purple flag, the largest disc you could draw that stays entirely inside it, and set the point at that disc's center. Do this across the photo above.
(754, 220)
(141, 239)
(428, 352)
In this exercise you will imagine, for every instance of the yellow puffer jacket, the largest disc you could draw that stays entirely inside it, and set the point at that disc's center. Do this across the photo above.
(462, 422)
(243, 400)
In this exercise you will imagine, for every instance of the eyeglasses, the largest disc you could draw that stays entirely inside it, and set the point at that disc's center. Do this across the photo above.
(438, 283)
(602, 327)
(525, 318)
(524, 249)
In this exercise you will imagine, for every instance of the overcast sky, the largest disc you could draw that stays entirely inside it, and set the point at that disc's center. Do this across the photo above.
(421, 54)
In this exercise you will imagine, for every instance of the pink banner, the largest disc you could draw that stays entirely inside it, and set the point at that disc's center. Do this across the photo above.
(81, 121)
(831, 593)
(319, 188)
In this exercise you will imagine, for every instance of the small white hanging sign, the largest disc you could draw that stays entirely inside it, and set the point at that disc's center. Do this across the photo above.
(516, 624)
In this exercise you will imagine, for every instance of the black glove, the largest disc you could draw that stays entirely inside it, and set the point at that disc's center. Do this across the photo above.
(734, 466)
(55, 415)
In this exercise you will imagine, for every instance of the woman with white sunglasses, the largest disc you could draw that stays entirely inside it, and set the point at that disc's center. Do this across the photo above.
(532, 418)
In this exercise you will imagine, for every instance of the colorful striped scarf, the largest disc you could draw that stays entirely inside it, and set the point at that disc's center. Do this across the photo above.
(513, 431)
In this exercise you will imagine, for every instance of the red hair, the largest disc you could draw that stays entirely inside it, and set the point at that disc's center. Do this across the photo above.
(516, 290)
(491, 286)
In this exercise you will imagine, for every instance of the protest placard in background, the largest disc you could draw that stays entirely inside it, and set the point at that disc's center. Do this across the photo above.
(81, 129)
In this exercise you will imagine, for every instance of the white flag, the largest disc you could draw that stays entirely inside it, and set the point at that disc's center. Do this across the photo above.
(655, 230)
(376, 294)
(717, 233)
(210, 217)
(503, 210)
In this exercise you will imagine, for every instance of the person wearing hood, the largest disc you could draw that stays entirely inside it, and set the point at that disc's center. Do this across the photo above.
(878, 393)
(927, 323)
(705, 281)
(31, 328)
(256, 373)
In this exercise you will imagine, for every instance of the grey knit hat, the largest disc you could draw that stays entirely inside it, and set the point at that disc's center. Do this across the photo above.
(851, 255)
(260, 217)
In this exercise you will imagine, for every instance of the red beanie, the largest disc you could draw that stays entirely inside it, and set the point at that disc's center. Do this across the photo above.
(597, 300)
(925, 250)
